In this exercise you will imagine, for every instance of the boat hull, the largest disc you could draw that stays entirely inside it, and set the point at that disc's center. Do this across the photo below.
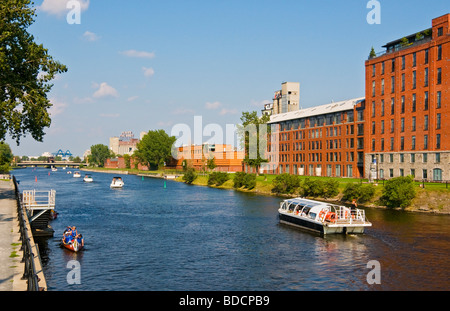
(321, 228)
(74, 247)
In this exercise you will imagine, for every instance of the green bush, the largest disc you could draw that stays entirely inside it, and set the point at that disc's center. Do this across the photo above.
(239, 179)
(398, 192)
(331, 188)
(312, 188)
(217, 178)
(189, 175)
(361, 193)
(285, 184)
(250, 181)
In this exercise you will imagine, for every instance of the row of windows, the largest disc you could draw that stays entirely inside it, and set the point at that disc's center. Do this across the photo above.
(403, 82)
(403, 61)
(314, 170)
(403, 104)
(316, 157)
(321, 120)
(402, 124)
(413, 146)
(412, 158)
(437, 173)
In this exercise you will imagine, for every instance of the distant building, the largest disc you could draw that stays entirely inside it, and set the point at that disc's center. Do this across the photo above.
(226, 157)
(285, 100)
(125, 144)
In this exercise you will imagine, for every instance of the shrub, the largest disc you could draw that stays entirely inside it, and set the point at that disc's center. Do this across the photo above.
(331, 188)
(313, 188)
(285, 183)
(250, 181)
(398, 192)
(189, 175)
(361, 193)
(217, 178)
(238, 179)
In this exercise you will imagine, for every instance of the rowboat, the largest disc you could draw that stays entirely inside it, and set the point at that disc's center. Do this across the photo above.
(72, 240)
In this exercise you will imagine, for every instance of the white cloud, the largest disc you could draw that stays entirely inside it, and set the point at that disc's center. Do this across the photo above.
(90, 36)
(59, 7)
(105, 90)
(260, 104)
(57, 107)
(139, 54)
(148, 72)
(132, 98)
(214, 105)
(228, 111)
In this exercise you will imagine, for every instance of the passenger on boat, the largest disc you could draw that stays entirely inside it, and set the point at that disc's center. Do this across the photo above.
(80, 239)
(68, 238)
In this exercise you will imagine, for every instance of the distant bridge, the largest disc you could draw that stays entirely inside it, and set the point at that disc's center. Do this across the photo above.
(55, 163)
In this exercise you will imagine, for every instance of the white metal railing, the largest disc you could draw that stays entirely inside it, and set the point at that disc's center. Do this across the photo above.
(32, 199)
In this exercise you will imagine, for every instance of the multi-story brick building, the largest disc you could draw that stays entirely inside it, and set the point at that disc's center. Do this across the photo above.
(408, 106)
(325, 140)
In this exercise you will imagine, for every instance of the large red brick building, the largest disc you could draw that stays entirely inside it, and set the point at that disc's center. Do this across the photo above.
(408, 106)
(325, 140)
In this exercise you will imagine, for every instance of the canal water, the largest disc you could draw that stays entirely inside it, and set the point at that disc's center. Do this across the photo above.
(148, 237)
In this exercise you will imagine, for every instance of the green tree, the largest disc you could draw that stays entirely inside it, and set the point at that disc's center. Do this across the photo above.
(155, 148)
(26, 69)
(372, 53)
(398, 192)
(6, 157)
(285, 183)
(253, 137)
(189, 176)
(99, 154)
(127, 160)
(211, 163)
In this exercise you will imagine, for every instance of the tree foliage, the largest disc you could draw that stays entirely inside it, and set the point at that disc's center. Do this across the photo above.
(242, 179)
(217, 178)
(189, 175)
(155, 148)
(6, 157)
(285, 183)
(99, 154)
(253, 138)
(398, 192)
(359, 192)
(26, 69)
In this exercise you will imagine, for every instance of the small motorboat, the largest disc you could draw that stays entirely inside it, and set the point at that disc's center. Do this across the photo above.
(72, 240)
(54, 169)
(69, 172)
(117, 182)
(77, 174)
(53, 214)
(88, 178)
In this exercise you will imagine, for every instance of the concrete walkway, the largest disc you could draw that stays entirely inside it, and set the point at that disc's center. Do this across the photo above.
(11, 270)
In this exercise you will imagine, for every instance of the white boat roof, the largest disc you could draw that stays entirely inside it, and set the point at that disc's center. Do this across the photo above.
(305, 202)
(317, 110)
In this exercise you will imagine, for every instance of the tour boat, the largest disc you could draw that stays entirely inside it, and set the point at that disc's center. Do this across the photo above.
(76, 174)
(71, 242)
(117, 182)
(321, 217)
(88, 178)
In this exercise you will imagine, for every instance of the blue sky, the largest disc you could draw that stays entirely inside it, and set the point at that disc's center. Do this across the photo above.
(142, 65)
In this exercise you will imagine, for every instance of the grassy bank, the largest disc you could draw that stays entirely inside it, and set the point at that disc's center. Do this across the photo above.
(432, 198)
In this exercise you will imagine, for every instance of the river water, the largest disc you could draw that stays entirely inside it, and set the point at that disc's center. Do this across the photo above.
(149, 236)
